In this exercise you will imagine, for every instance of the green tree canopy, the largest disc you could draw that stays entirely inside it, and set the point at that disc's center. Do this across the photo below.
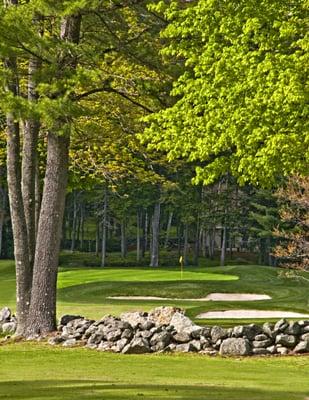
(240, 101)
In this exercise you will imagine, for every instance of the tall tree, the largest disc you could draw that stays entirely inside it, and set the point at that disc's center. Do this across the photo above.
(240, 103)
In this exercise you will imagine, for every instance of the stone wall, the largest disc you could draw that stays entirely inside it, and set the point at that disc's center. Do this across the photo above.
(167, 329)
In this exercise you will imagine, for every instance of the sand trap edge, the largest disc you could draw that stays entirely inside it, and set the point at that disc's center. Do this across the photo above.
(250, 314)
(210, 297)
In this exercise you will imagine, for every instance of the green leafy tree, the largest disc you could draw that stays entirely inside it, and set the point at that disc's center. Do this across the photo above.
(240, 102)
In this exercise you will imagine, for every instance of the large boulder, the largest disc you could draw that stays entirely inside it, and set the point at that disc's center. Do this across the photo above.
(286, 340)
(163, 315)
(181, 323)
(235, 347)
(134, 318)
(65, 319)
(218, 333)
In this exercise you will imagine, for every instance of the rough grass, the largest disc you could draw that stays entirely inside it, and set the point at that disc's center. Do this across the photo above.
(37, 371)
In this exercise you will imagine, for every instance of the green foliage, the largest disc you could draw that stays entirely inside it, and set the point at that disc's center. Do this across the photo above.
(241, 99)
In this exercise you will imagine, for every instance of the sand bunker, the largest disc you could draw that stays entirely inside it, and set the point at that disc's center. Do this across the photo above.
(234, 314)
(210, 297)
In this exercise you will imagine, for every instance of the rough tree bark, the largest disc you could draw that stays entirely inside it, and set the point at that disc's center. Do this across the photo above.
(104, 229)
(168, 229)
(42, 313)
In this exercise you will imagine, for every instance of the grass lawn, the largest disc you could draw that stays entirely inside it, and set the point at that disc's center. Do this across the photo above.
(41, 372)
(85, 290)
(36, 371)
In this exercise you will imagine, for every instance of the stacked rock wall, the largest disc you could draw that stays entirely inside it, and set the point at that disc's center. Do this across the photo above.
(167, 329)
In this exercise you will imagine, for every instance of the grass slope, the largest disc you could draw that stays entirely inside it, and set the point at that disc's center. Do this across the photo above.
(36, 371)
(85, 290)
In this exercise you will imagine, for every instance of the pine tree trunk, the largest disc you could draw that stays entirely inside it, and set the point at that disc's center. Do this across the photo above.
(223, 247)
(145, 235)
(123, 238)
(185, 244)
(154, 261)
(18, 219)
(138, 237)
(168, 229)
(97, 240)
(82, 227)
(74, 222)
(104, 230)
(42, 316)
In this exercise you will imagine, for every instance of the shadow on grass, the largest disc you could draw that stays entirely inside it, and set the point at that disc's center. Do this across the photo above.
(95, 390)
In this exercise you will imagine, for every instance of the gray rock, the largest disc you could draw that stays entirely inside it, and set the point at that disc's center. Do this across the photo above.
(127, 334)
(182, 337)
(164, 337)
(5, 314)
(305, 337)
(272, 349)
(260, 351)
(69, 343)
(209, 351)
(96, 338)
(197, 344)
(114, 335)
(120, 345)
(105, 346)
(163, 315)
(282, 350)
(67, 318)
(302, 347)
(305, 329)
(146, 334)
(205, 331)
(281, 325)
(293, 328)
(262, 343)
(9, 327)
(55, 340)
(137, 346)
(146, 326)
(185, 348)
(286, 340)
(134, 318)
(268, 328)
(261, 337)
(218, 333)
(181, 323)
(235, 347)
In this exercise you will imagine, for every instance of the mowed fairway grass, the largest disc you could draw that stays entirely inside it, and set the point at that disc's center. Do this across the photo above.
(39, 371)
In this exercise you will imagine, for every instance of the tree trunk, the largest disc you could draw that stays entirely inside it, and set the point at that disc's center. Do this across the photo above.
(168, 229)
(21, 249)
(223, 247)
(74, 222)
(42, 316)
(82, 227)
(123, 238)
(138, 237)
(185, 244)
(97, 240)
(145, 234)
(154, 261)
(104, 230)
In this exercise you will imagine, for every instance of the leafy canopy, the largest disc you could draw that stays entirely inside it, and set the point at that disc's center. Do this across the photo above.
(240, 103)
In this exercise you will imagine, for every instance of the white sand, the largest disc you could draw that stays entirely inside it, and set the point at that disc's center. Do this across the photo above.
(250, 314)
(210, 297)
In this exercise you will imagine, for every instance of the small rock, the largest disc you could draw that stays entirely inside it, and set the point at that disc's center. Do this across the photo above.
(69, 343)
(105, 346)
(268, 328)
(182, 337)
(134, 318)
(137, 346)
(9, 327)
(262, 343)
(260, 351)
(286, 340)
(302, 347)
(5, 314)
(163, 315)
(261, 337)
(235, 347)
(185, 348)
(55, 340)
(65, 319)
(293, 328)
(282, 350)
(218, 333)
(281, 325)
(305, 337)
